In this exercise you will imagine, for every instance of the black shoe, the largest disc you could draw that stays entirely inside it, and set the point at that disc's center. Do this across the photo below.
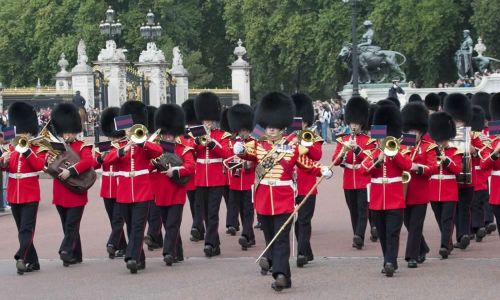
(281, 282)
(231, 231)
(357, 242)
(30, 267)
(480, 234)
(120, 253)
(421, 259)
(444, 252)
(132, 266)
(264, 266)
(373, 234)
(152, 245)
(310, 258)
(389, 269)
(195, 235)
(301, 261)
(21, 266)
(412, 263)
(111, 251)
(491, 227)
(168, 259)
(67, 258)
(211, 251)
(178, 259)
(258, 225)
(244, 243)
(464, 242)
(141, 265)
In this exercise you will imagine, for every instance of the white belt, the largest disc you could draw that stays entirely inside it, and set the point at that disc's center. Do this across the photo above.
(22, 175)
(477, 167)
(109, 173)
(132, 173)
(271, 182)
(352, 167)
(443, 177)
(495, 173)
(386, 180)
(209, 161)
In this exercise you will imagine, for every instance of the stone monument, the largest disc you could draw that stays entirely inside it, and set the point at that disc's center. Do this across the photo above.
(153, 65)
(240, 74)
(82, 76)
(179, 76)
(63, 77)
(112, 62)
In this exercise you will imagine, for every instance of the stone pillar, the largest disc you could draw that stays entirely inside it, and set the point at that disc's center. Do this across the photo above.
(113, 64)
(63, 77)
(152, 64)
(240, 75)
(82, 76)
(180, 77)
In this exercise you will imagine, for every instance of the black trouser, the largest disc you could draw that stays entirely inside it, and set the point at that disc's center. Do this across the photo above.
(389, 223)
(279, 252)
(358, 208)
(303, 226)
(477, 209)
(231, 209)
(496, 211)
(191, 195)
(414, 223)
(70, 220)
(209, 198)
(445, 217)
(462, 222)
(117, 236)
(171, 217)
(488, 212)
(136, 217)
(199, 210)
(241, 204)
(154, 224)
(25, 217)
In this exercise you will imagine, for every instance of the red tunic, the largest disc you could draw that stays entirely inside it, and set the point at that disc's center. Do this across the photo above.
(134, 184)
(275, 194)
(61, 194)
(209, 168)
(166, 192)
(354, 177)
(423, 154)
(386, 191)
(246, 178)
(109, 179)
(189, 142)
(443, 185)
(23, 186)
(306, 180)
(493, 165)
(481, 182)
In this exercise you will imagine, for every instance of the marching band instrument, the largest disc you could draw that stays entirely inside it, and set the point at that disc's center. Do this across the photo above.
(390, 146)
(462, 142)
(306, 137)
(138, 134)
(155, 137)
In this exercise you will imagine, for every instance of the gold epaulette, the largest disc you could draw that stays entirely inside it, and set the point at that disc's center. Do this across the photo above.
(405, 151)
(431, 146)
(85, 145)
(368, 153)
(226, 135)
(476, 134)
(370, 140)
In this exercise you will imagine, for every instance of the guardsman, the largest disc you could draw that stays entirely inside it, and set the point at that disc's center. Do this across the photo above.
(386, 165)
(23, 189)
(276, 155)
(443, 189)
(117, 242)
(134, 193)
(241, 175)
(169, 181)
(423, 157)
(210, 179)
(70, 205)
(349, 154)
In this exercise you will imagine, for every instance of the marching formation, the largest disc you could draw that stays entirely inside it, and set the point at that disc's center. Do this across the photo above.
(263, 160)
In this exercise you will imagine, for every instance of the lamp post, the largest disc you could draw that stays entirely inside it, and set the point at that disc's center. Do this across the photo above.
(1, 97)
(355, 58)
(150, 31)
(110, 28)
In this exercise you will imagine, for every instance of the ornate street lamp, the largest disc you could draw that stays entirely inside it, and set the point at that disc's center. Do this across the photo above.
(110, 28)
(149, 30)
(355, 58)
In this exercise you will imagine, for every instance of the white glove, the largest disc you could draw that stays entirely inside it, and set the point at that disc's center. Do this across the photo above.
(238, 148)
(326, 172)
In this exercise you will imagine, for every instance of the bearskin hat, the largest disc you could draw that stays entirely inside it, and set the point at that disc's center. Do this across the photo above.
(108, 122)
(137, 109)
(391, 116)
(495, 107)
(23, 116)
(66, 118)
(415, 98)
(207, 107)
(442, 95)
(389, 101)
(483, 99)
(441, 126)
(275, 110)
(240, 117)
(224, 123)
(356, 111)
(151, 118)
(459, 107)
(395, 101)
(478, 118)
(432, 101)
(304, 108)
(415, 117)
(170, 119)
(190, 114)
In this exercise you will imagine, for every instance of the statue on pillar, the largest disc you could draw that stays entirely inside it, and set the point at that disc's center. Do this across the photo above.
(463, 56)
(82, 53)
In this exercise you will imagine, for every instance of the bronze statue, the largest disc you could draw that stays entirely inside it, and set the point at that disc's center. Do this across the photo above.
(463, 57)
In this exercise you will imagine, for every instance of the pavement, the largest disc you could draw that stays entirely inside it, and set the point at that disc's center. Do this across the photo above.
(338, 271)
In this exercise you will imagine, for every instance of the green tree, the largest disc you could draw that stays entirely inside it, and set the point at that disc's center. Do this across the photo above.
(485, 21)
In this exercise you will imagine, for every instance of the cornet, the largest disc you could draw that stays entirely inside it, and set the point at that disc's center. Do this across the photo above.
(390, 146)
(306, 137)
(138, 133)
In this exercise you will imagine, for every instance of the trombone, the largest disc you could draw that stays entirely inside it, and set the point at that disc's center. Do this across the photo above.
(390, 146)
(306, 137)
(21, 143)
(138, 134)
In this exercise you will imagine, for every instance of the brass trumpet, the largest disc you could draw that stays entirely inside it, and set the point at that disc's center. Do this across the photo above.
(306, 137)
(203, 140)
(21, 143)
(138, 133)
(390, 146)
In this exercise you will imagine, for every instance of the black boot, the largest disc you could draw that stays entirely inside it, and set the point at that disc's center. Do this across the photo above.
(264, 265)
(132, 266)
(301, 260)
(412, 263)
(168, 259)
(357, 242)
(281, 282)
(480, 234)
(21, 266)
(389, 269)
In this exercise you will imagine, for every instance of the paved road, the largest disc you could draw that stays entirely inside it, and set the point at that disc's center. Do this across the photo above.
(339, 271)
